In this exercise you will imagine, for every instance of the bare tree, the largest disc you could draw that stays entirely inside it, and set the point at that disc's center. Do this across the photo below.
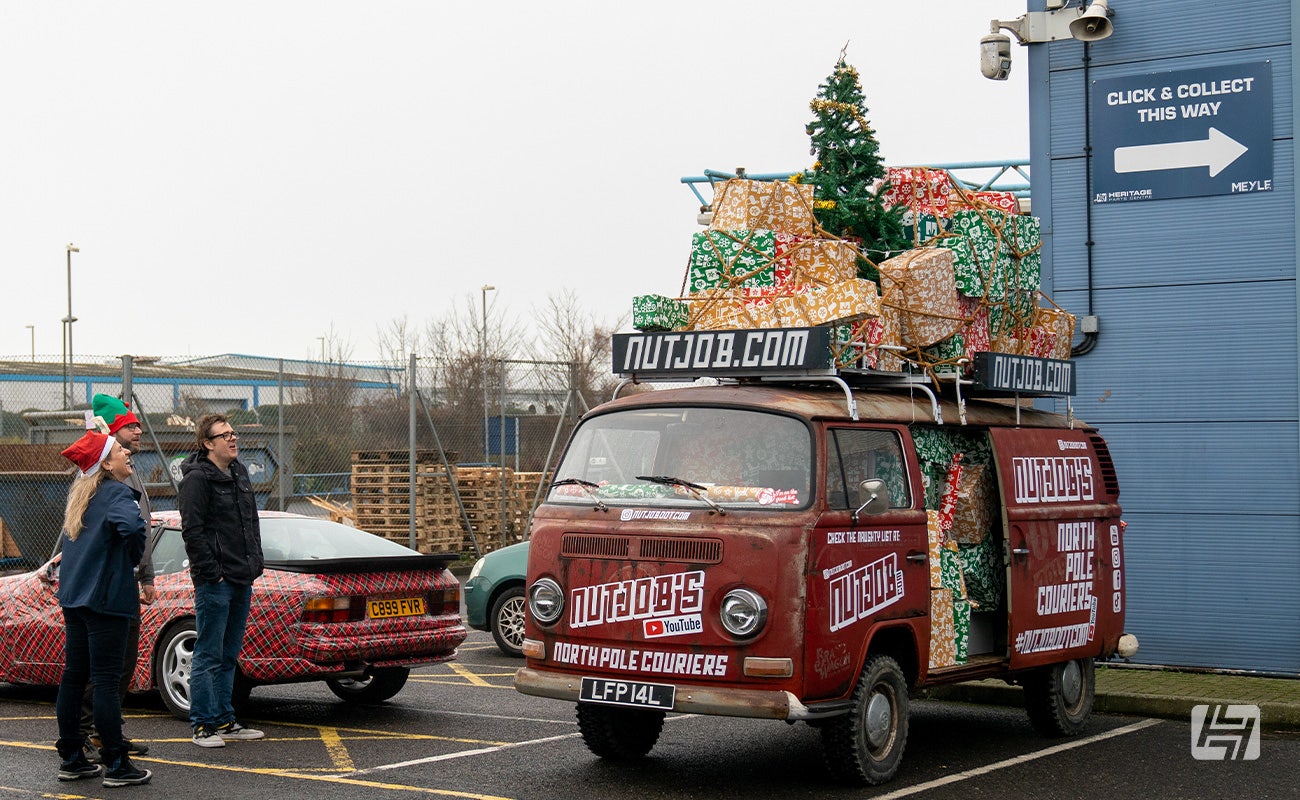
(577, 337)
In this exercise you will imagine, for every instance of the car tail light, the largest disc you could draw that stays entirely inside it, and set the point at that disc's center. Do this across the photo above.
(444, 601)
(334, 609)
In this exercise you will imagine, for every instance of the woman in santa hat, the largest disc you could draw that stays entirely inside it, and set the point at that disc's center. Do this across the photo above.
(103, 539)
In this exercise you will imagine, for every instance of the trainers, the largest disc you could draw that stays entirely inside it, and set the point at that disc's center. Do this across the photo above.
(91, 751)
(207, 737)
(121, 772)
(233, 731)
(76, 766)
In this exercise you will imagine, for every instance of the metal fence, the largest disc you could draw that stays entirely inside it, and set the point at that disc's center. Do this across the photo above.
(457, 465)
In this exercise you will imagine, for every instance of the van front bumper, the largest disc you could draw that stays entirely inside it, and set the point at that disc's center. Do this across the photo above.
(714, 701)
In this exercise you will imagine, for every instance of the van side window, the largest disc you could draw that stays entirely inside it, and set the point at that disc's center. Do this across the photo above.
(857, 455)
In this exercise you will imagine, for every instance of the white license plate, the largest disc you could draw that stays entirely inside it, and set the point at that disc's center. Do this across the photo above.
(628, 693)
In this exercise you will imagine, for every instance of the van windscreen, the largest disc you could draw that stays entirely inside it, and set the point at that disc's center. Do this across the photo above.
(740, 458)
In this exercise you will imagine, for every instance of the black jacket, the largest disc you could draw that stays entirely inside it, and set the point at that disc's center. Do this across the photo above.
(219, 522)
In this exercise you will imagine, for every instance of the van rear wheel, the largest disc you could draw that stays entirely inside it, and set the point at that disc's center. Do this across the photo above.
(866, 745)
(619, 733)
(1059, 698)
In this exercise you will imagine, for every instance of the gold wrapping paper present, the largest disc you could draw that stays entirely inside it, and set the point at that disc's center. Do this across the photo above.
(823, 261)
(920, 284)
(847, 301)
(773, 205)
(935, 535)
(976, 505)
(1052, 334)
(943, 633)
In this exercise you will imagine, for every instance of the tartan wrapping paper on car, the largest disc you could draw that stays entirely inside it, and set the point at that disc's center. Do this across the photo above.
(921, 189)
(734, 258)
(654, 312)
(984, 573)
(774, 205)
(943, 633)
(919, 283)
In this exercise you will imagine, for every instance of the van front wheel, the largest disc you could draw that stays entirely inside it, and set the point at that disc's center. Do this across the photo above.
(1059, 698)
(619, 733)
(866, 745)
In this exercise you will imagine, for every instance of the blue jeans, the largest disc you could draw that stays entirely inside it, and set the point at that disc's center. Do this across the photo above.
(93, 649)
(221, 612)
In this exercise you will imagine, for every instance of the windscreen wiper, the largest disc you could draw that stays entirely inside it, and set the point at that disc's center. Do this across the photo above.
(589, 487)
(697, 491)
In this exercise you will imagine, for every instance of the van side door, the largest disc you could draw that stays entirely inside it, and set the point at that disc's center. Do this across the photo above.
(1061, 513)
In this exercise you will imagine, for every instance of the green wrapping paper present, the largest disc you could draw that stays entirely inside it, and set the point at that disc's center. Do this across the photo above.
(1024, 235)
(985, 574)
(950, 574)
(960, 630)
(654, 312)
(731, 259)
(981, 258)
(922, 228)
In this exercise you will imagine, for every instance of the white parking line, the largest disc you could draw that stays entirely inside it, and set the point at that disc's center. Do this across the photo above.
(1011, 762)
(480, 751)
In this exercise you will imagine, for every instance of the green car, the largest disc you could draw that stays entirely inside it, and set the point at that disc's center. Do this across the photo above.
(494, 596)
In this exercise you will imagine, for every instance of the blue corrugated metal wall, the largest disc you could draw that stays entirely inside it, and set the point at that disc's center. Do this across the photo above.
(1194, 377)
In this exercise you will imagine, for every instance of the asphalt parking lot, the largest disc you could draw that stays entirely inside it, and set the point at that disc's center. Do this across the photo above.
(460, 730)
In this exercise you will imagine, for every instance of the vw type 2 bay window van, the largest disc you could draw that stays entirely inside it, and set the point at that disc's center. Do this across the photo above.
(793, 546)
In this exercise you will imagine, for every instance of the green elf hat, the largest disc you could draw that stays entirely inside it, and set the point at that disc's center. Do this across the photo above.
(113, 411)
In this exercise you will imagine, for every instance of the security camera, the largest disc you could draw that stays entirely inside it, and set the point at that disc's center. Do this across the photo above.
(995, 56)
(1093, 24)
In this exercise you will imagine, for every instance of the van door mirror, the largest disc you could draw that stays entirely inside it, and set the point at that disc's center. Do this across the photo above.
(874, 497)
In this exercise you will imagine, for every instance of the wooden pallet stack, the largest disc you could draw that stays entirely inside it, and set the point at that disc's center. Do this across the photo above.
(381, 495)
(525, 491)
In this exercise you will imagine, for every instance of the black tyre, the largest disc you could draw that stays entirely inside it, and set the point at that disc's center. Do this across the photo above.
(376, 687)
(619, 733)
(507, 621)
(866, 745)
(173, 659)
(1059, 698)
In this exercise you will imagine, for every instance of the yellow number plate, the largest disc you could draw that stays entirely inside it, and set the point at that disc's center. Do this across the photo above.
(396, 607)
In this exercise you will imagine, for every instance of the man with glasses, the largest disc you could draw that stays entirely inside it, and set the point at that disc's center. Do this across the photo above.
(124, 426)
(224, 544)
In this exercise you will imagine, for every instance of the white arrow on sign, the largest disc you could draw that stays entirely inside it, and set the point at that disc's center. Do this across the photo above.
(1216, 151)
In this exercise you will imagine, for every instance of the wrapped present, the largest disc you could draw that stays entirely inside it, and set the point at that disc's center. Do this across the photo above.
(960, 630)
(1025, 239)
(971, 339)
(922, 230)
(819, 261)
(774, 205)
(950, 569)
(1002, 201)
(847, 301)
(1052, 334)
(981, 257)
(934, 534)
(1010, 320)
(919, 283)
(654, 312)
(884, 336)
(791, 311)
(923, 190)
(943, 634)
(984, 573)
(976, 505)
(734, 258)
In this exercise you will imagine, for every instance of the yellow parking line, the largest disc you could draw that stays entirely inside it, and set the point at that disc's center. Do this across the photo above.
(338, 752)
(467, 675)
(283, 773)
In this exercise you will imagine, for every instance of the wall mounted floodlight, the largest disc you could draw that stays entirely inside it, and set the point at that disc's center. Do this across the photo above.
(1088, 24)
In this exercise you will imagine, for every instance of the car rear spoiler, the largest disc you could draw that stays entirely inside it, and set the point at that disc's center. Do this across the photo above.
(433, 561)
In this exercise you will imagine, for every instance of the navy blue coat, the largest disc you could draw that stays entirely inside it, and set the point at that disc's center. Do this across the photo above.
(98, 568)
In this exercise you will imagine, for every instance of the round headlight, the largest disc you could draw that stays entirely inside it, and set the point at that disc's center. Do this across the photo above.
(545, 601)
(743, 612)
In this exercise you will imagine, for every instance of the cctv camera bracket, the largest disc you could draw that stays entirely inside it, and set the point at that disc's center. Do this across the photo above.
(1039, 26)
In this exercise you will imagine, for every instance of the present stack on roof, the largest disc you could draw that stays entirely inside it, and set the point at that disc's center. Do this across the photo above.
(970, 284)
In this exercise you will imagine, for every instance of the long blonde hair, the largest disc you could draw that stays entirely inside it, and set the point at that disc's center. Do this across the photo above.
(83, 489)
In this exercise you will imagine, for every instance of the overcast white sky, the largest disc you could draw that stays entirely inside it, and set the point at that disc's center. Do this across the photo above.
(243, 176)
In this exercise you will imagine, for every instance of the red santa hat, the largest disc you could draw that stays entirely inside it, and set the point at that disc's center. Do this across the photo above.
(89, 452)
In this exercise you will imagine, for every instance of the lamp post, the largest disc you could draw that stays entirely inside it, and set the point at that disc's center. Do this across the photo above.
(67, 334)
(32, 328)
(483, 346)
